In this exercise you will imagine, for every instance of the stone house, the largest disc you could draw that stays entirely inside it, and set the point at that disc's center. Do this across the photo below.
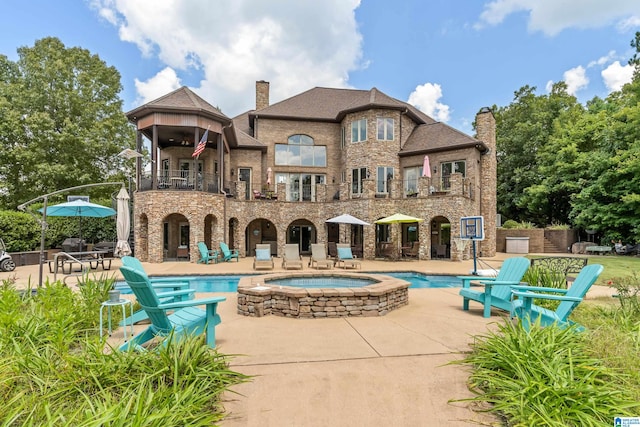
(277, 173)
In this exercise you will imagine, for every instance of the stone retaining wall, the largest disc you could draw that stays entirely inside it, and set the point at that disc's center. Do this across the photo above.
(373, 300)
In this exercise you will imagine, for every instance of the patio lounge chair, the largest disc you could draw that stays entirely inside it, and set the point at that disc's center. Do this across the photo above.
(291, 258)
(207, 254)
(187, 319)
(228, 254)
(263, 258)
(170, 289)
(346, 258)
(319, 256)
(497, 290)
(529, 313)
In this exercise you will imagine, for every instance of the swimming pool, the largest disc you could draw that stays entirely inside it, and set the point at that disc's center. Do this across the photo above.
(229, 283)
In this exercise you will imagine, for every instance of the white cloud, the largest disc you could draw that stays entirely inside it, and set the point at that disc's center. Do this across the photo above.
(615, 76)
(293, 45)
(553, 16)
(425, 98)
(576, 79)
(629, 24)
(162, 83)
(603, 59)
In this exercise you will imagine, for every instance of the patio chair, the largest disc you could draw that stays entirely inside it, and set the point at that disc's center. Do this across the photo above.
(228, 254)
(319, 256)
(414, 251)
(291, 258)
(333, 251)
(497, 290)
(346, 258)
(207, 254)
(170, 290)
(187, 319)
(530, 313)
(263, 258)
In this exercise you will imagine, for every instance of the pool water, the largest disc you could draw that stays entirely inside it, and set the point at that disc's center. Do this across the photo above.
(229, 283)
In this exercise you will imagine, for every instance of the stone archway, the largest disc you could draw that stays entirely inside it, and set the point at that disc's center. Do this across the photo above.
(440, 237)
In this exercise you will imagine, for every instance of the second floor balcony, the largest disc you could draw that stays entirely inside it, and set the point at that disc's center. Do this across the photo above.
(177, 180)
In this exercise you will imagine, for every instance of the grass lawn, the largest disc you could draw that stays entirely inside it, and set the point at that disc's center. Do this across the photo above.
(615, 266)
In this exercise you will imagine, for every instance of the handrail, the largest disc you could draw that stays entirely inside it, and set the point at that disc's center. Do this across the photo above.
(85, 267)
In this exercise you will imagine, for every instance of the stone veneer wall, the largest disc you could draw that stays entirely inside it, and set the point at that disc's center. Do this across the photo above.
(369, 301)
(486, 132)
(156, 206)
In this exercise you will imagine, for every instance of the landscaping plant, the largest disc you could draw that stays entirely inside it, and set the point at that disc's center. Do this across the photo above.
(55, 369)
(546, 376)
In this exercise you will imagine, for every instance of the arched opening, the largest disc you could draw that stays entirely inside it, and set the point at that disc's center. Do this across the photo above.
(176, 235)
(261, 231)
(302, 232)
(440, 238)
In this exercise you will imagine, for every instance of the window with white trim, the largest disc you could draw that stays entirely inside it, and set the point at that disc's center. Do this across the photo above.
(300, 151)
(359, 130)
(384, 175)
(385, 129)
(447, 168)
(357, 175)
(411, 176)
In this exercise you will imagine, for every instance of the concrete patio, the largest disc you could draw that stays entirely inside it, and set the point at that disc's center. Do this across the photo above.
(391, 370)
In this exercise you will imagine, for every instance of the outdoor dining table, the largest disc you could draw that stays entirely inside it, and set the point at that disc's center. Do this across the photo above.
(94, 258)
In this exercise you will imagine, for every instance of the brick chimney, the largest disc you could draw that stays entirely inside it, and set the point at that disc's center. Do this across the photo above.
(262, 94)
(486, 132)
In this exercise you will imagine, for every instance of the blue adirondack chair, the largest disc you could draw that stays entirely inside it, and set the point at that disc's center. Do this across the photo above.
(207, 254)
(186, 319)
(228, 254)
(171, 289)
(529, 313)
(497, 290)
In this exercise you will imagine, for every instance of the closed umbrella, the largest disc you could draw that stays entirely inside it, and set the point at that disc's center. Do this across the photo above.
(269, 173)
(123, 224)
(426, 167)
(78, 208)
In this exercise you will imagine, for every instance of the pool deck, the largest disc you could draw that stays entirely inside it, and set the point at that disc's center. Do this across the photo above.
(391, 370)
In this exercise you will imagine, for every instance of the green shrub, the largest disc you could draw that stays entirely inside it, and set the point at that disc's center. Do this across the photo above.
(545, 376)
(509, 224)
(56, 371)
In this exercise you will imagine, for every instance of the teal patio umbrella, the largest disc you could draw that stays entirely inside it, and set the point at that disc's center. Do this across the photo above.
(78, 208)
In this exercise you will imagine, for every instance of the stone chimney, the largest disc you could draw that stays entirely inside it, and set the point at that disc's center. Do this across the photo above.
(262, 95)
(486, 132)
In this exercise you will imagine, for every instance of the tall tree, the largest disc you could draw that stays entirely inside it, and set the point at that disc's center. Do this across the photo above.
(523, 131)
(61, 121)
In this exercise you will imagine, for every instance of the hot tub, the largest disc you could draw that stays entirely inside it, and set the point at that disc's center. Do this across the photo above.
(374, 295)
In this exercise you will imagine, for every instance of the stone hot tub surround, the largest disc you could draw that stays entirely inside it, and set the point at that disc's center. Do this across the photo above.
(385, 293)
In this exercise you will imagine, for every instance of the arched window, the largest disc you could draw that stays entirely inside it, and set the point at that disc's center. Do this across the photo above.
(301, 151)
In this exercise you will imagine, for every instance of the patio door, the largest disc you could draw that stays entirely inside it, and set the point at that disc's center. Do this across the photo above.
(244, 175)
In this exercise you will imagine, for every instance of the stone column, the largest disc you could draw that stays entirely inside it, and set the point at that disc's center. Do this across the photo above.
(486, 132)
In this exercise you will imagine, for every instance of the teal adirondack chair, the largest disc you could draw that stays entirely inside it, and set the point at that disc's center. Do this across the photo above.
(179, 289)
(207, 254)
(228, 254)
(529, 313)
(187, 319)
(497, 290)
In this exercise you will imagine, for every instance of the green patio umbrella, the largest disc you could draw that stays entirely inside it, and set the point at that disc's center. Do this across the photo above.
(399, 218)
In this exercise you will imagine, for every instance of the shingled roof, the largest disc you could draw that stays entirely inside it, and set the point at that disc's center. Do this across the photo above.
(438, 137)
(181, 100)
(327, 104)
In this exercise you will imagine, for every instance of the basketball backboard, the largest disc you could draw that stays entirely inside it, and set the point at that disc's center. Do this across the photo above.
(472, 228)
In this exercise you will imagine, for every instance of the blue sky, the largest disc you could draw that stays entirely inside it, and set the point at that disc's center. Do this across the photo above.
(449, 58)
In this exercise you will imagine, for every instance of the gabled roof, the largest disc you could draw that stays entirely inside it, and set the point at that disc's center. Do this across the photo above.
(244, 134)
(438, 137)
(327, 104)
(182, 100)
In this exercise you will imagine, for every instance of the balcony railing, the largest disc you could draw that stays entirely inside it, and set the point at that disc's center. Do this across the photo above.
(453, 185)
